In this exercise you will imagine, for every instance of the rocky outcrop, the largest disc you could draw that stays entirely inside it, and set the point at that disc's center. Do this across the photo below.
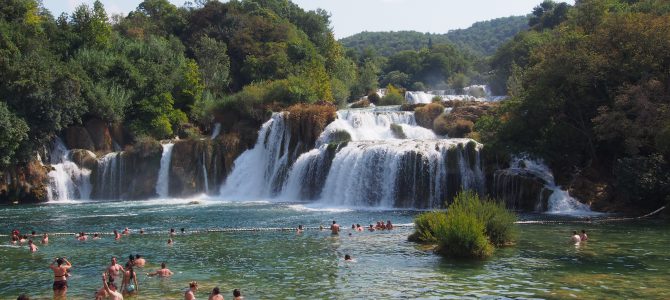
(306, 123)
(200, 166)
(460, 121)
(26, 183)
(77, 137)
(84, 158)
(99, 133)
(426, 115)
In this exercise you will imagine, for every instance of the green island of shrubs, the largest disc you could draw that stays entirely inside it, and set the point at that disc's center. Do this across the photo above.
(471, 227)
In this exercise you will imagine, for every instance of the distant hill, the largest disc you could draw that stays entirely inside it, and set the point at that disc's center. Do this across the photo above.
(482, 38)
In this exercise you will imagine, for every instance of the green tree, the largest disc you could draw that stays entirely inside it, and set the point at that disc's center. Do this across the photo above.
(13, 131)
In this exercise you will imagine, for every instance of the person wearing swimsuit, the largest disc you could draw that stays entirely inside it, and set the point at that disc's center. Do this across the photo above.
(192, 288)
(130, 286)
(60, 267)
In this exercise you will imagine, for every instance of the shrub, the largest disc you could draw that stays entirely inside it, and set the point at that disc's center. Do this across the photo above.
(455, 128)
(373, 98)
(470, 228)
(426, 115)
(393, 96)
(425, 225)
(362, 103)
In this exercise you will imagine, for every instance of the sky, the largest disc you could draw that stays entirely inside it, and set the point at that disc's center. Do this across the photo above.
(349, 17)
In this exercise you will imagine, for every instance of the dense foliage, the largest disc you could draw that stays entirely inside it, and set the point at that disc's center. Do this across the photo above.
(591, 95)
(162, 70)
(482, 38)
(470, 228)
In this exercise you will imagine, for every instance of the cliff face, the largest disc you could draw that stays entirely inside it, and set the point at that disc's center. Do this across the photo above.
(26, 183)
(197, 166)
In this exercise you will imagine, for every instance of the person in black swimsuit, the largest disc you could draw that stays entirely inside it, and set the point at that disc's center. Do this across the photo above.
(60, 267)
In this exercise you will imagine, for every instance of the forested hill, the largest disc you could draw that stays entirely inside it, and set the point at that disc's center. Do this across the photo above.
(482, 38)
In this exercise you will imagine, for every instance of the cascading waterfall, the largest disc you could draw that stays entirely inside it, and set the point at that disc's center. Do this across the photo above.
(559, 201)
(67, 181)
(259, 172)
(365, 158)
(109, 176)
(163, 182)
(470, 93)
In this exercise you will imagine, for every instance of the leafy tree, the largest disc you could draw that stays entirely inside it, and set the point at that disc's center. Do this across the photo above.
(214, 64)
(92, 26)
(13, 131)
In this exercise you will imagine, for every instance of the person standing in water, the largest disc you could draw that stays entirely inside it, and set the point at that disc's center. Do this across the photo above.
(190, 293)
(335, 228)
(140, 261)
(163, 272)
(583, 236)
(114, 268)
(130, 286)
(216, 294)
(32, 246)
(110, 289)
(576, 239)
(237, 295)
(60, 267)
(45, 239)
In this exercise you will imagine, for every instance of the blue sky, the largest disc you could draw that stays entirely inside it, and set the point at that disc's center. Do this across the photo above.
(353, 16)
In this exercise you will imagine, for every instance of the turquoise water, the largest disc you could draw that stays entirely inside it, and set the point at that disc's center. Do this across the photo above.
(621, 260)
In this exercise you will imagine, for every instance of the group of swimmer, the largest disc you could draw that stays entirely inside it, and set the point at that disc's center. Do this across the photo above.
(129, 284)
(578, 238)
(110, 290)
(335, 228)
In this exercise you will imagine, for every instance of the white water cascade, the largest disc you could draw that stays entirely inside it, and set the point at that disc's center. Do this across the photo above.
(163, 182)
(67, 181)
(560, 201)
(216, 131)
(470, 93)
(204, 174)
(365, 158)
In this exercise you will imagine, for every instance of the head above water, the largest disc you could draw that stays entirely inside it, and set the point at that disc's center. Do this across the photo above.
(113, 260)
(163, 265)
(583, 231)
(193, 284)
(137, 256)
(334, 222)
(237, 293)
(216, 291)
(347, 257)
(60, 261)
(574, 232)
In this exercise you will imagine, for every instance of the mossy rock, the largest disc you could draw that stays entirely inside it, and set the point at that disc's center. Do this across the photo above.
(398, 132)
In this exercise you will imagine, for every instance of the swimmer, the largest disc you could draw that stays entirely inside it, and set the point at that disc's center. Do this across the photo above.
(45, 239)
(117, 236)
(114, 268)
(216, 294)
(96, 236)
(183, 230)
(32, 246)
(171, 231)
(359, 228)
(299, 231)
(82, 236)
(583, 236)
(163, 272)
(101, 294)
(141, 230)
(237, 295)
(110, 289)
(347, 257)
(130, 286)
(575, 238)
(371, 228)
(126, 231)
(353, 226)
(139, 261)
(170, 242)
(131, 260)
(389, 226)
(335, 228)
(190, 293)
(33, 234)
(60, 268)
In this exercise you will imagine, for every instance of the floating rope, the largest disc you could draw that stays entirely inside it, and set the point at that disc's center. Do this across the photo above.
(589, 220)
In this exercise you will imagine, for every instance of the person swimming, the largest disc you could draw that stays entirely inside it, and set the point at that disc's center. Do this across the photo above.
(300, 229)
(45, 239)
(237, 295)
(389, 226)
(32, 246)
(583, 236)
(117, 236)
(575, 238)
(347, 257)
(139, 261)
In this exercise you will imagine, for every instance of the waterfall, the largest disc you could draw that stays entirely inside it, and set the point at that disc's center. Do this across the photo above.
(558, 201)
(216, 131)
(163, 182)
(470, 93)
(365, 158)
(66, 181)
(204, 173)
(259, 172)
(109, 177)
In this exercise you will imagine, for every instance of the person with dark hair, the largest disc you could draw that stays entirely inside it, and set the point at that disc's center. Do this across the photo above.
(163, 272)
(171, 231)
(60, 267)
(335, 228)
(117, 236)
(183, 230)
(129, 285)
(45, 239)
(32, 246)
(23, 297)
(190, 293)
(583, 236)
(140, 261)
(237, 294)
(389, 226)
(216, 294)
(114, 268)
(300, 229)
(110, 289)
(575, 238)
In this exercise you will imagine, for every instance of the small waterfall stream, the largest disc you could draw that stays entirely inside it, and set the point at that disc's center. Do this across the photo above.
(67, 181)
(163, 182)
